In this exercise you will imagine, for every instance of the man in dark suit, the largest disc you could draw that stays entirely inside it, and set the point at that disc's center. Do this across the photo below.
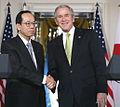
(25, 89)
(81, 74)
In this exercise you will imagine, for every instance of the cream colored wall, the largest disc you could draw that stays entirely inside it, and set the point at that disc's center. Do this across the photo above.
(110, 15)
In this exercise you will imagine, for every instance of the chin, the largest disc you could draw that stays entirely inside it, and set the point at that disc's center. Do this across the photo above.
(66, 30)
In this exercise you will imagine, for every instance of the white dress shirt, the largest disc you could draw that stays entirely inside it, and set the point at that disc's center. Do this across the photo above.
(71, 32)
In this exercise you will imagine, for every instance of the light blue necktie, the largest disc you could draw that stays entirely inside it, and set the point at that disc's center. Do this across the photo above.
(29, 46)
(30, 49)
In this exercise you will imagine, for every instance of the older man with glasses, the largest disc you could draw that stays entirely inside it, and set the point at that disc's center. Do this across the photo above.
(25, 89)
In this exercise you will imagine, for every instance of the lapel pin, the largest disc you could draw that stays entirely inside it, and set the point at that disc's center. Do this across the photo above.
(79, 37)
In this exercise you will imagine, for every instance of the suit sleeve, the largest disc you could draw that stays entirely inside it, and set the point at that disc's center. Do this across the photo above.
(51, 62)
(97, 54)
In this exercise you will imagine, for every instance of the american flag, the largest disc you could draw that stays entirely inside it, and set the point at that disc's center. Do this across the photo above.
(98, 28)
(6, 35)
(8, 27)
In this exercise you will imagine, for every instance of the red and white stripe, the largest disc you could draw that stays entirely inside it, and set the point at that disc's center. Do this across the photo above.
(2, 92)
(110, 98)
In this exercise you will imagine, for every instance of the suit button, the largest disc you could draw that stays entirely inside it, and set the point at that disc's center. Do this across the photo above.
(71, 71)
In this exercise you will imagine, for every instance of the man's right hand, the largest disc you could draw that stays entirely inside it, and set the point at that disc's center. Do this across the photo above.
(50, 82)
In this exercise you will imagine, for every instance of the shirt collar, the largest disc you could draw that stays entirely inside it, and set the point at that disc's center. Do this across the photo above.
(71, 32)
(24, 40)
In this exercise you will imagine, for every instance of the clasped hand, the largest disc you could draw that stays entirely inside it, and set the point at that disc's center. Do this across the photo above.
(50, 82)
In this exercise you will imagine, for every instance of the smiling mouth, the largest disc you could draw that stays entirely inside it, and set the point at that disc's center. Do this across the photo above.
(64, 23)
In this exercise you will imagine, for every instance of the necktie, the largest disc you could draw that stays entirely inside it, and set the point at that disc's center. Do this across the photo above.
(29, 46)
(30, 49)
(68, 48)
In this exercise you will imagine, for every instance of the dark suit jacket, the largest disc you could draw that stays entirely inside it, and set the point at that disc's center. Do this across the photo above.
(25, 89)
(79, 82)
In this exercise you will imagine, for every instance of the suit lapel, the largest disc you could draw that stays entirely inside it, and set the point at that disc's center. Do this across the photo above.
(37, 54)
(78, 35)
(61, 49)
(25, 54)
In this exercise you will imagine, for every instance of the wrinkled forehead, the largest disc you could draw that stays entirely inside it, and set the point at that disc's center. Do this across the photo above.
(27, 17)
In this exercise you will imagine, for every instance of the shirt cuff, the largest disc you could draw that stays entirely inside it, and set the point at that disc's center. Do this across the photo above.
(44, 79)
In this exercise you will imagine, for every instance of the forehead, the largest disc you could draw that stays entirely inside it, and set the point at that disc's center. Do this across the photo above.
(64, 10)
(27, 17)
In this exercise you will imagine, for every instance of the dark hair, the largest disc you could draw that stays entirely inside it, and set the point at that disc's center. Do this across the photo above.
(19, 16)
(63, 6)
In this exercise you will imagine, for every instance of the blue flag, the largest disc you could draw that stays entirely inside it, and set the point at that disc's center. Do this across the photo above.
(48, 103)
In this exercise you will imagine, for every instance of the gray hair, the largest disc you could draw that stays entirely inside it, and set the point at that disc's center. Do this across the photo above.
(63, 6)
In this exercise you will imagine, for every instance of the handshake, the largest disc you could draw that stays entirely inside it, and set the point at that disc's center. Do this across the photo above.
(50, 82)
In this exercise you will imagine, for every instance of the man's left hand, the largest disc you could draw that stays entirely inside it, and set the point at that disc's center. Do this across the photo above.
(101, 99)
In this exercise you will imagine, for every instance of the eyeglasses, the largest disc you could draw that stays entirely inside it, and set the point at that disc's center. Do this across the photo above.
(28, 24)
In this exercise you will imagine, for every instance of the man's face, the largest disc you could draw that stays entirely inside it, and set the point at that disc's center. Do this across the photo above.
(64, 19)
(27, 27)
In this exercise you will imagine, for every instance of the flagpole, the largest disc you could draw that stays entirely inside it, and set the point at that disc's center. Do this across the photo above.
(24, 6)
(97, 5)
(8, 4)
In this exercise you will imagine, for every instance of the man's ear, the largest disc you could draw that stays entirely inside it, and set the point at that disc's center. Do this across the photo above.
(56, 21)
(73, 19)
(18, 27)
